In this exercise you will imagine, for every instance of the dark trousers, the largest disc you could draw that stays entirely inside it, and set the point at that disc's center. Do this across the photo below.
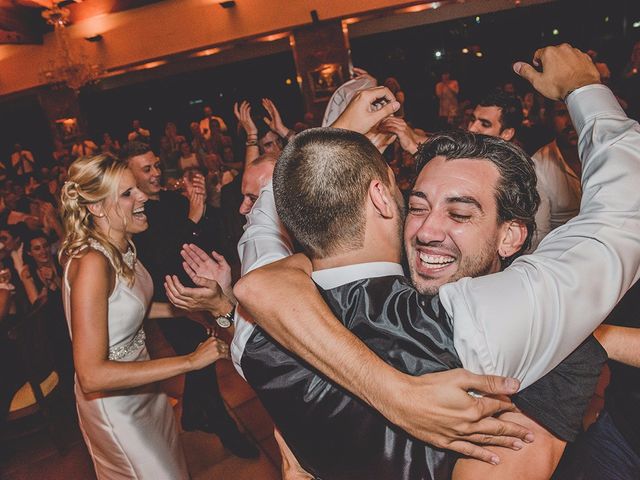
(601, 453)
(201, 398)
(11, 373)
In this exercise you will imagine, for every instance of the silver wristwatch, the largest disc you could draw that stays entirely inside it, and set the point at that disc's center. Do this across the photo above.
(226, 320)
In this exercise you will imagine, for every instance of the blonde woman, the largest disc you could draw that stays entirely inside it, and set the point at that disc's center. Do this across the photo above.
(127, 424)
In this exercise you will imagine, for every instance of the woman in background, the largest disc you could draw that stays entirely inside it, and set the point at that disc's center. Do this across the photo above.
(41, 272)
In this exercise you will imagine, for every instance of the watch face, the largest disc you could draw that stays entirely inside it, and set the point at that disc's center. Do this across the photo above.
(223, 322)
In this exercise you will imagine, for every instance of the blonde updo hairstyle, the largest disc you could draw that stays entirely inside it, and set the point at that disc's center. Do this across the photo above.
(91, 180)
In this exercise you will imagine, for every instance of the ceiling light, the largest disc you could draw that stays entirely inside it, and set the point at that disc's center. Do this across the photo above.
(419, 8)
(273, 37)
(149, 65)
(207, 52)
(352, 20)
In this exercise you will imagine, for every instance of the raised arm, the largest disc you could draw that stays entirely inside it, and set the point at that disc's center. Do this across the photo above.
(522, 322)
(367, 108)
(274, 120)
(91, 280)
(196, 192)
(243, 115)
(409, 139)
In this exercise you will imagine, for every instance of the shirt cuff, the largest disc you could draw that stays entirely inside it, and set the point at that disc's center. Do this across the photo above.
(590, 101)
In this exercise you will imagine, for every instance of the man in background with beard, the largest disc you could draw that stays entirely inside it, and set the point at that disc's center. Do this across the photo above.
(558, 170)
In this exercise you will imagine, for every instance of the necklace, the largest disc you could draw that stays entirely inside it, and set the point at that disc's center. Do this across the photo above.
(129, 258)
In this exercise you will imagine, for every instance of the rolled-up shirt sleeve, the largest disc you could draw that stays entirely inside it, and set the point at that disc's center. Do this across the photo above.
(524, 321)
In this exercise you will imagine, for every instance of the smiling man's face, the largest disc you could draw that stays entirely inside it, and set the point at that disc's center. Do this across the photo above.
(147, 172)
(452, 229)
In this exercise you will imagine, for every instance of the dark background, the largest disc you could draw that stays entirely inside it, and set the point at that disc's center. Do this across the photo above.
(408, 55)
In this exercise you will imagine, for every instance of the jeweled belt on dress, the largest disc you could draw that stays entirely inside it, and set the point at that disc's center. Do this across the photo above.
(136, 343)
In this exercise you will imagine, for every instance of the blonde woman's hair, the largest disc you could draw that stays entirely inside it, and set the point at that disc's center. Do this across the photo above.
(91, 180)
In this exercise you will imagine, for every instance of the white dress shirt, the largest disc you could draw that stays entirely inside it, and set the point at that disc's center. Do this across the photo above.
(559, 190)
(265, 240)
(329, 278)
(524, 321)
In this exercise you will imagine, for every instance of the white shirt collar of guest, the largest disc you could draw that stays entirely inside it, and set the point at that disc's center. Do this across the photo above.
(329, 278)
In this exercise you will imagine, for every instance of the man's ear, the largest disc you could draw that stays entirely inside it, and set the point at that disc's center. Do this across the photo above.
(507, 134)
(513, 238)
(96, 209)
(381, 199)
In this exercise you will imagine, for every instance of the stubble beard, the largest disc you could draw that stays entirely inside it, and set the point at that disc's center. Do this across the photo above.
(470, 266)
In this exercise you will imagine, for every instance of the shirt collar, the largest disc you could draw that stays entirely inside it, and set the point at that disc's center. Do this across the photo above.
(334, 277)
